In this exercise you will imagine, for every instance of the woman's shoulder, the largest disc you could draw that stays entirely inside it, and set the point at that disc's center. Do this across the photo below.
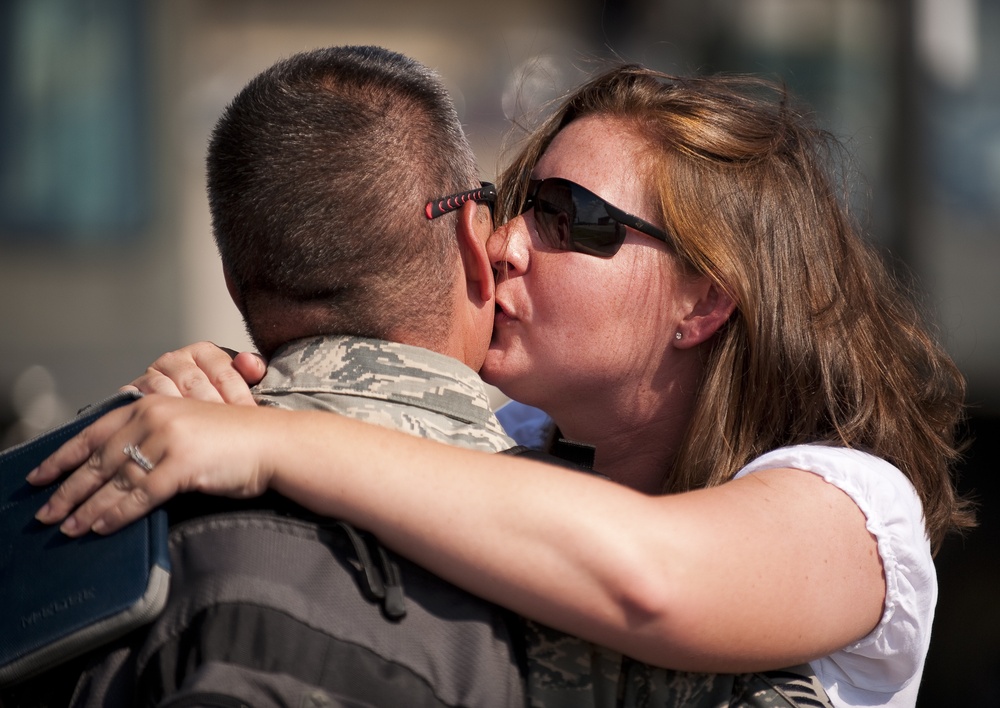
(890, 659)
(885, 495)
(862, 475)
(826, 459)
(892, 508)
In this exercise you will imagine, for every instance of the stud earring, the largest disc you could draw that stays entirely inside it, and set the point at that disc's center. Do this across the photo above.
(678, 335)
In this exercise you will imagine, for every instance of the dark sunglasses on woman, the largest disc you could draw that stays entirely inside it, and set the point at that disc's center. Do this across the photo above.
(572, 218)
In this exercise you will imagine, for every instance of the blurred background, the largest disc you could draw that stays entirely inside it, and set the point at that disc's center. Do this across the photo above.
(106, 256)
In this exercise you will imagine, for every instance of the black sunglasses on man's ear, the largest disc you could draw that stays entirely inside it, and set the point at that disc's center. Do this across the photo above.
(439, 207)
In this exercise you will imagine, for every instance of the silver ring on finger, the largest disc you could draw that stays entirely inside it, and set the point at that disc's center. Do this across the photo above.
(135, 454)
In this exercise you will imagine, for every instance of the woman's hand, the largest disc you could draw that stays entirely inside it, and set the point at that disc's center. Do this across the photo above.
(205, 372)
(183, 445)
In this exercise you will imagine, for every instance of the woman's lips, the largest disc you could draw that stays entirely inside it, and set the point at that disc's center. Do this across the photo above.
(502, 314)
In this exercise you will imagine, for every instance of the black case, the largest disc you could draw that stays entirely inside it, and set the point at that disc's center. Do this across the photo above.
(60, 597)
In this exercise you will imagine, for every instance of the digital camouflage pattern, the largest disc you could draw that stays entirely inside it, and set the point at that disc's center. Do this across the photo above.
(411, 389)
(567, 672)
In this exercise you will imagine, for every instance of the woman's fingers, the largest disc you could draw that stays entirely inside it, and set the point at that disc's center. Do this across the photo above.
(81, 451)
(139, 456)
(201, 371)
(130, 493)
(251, 367)
(86, 454)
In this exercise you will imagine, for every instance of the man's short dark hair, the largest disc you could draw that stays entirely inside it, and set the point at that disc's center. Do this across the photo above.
(318, 172)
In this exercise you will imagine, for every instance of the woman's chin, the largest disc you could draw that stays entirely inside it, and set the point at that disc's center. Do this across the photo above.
(497, 370)
(491, 372)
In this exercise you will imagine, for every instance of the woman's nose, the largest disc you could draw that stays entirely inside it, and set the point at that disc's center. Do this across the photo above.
(508, 246)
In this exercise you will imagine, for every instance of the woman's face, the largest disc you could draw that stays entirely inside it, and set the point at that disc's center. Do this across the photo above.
(571, 328)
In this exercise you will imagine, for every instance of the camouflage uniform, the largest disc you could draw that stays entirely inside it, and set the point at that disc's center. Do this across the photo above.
(394, 385)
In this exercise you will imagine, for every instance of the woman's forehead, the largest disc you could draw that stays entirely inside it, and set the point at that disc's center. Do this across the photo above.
(601, 154)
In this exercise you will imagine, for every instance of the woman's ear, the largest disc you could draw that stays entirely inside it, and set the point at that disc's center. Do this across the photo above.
(472, 233)
(711, 307)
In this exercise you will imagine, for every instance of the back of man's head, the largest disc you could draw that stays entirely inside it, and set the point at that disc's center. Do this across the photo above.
(318, 173)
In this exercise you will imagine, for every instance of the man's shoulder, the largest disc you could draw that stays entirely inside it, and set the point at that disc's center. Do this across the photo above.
(361, 361)
(395, 385)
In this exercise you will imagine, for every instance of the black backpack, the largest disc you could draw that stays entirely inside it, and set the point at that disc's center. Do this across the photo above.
(274, 606)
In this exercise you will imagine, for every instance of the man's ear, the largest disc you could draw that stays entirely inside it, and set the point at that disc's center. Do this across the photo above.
(711, 307)
(472, 231)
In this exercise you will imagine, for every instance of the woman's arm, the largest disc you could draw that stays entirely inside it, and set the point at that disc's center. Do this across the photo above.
(768, 570)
